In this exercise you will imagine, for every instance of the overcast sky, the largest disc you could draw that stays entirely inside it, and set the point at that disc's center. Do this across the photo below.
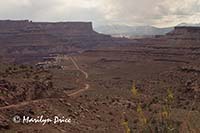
(161, 13)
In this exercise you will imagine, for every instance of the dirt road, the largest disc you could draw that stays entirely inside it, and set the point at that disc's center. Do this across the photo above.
(78, 68)
(87, 86)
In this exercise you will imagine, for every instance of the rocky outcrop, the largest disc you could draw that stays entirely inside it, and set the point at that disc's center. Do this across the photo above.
(185, 33)
(46, 33)
(8, 26)
(25, 38)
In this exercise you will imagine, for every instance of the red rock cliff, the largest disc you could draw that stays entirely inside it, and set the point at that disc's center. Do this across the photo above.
(185, 33)
(28, 32)
(57, 27)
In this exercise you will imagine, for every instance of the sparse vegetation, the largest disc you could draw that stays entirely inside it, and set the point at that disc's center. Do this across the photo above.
(163, 99)
(164, 123)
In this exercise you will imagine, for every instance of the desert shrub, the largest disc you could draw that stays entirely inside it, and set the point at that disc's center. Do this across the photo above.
(126, 124)
(164, 124)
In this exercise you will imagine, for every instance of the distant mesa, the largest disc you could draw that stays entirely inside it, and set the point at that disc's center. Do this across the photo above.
(40, 33)
(185, 32)
(25, 40)
(53, 27)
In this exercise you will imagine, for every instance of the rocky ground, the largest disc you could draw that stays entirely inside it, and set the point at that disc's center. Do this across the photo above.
(150, 85)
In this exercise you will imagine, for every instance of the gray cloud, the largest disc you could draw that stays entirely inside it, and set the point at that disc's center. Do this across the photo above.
(156, 12)
(130, 12)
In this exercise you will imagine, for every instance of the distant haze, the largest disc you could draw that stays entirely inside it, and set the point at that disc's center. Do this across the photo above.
(160, 13)
(132, 31)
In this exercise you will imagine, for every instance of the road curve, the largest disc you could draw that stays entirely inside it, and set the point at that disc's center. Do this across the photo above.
(78, 68)
(87, 86)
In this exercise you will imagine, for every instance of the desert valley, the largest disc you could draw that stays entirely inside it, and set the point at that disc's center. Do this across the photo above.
(103, 84)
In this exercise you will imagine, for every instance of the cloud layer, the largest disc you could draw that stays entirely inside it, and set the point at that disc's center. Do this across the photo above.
(131, 12)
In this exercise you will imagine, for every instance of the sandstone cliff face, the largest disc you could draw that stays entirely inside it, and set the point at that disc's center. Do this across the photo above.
(185, 33)
(8, 26)
(42, 32)
(26, 38)
(180, 37)
(34, 33)
(68, 28)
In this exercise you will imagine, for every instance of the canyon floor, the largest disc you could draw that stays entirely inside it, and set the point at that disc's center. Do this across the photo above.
(99, 83)
(94, 90)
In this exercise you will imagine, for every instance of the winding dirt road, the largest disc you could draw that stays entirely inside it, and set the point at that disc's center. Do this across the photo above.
(77, 67)
(87, 86)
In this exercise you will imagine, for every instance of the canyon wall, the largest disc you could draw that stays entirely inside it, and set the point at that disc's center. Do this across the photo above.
(186, 33)
(7, 26)
(26, 38)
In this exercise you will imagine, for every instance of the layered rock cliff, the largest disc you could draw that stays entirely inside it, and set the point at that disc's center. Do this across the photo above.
(46, 33)
(186, 33)
(27, 38)
(7, 26)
